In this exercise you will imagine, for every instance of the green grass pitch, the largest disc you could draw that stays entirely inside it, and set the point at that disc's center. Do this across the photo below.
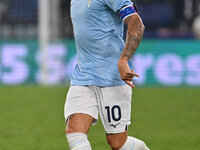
(31, 118)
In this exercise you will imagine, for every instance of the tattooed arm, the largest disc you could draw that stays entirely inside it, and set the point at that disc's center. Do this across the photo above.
(134, 36)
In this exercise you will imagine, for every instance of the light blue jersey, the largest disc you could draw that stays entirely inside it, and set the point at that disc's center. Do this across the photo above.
(98, 32)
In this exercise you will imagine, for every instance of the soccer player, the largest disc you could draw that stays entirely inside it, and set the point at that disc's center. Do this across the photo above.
(102, 80)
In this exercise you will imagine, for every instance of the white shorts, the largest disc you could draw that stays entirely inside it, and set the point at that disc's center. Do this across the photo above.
(112, 103)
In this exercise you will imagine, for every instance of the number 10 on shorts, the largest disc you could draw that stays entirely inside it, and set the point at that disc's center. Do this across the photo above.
(113, 113)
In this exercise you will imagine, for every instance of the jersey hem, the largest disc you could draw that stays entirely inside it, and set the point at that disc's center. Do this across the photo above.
(97, 84)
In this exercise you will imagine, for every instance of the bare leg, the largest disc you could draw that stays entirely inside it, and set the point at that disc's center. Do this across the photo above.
(79, 123)
(116, 141)
(76, 131)
(123, 142)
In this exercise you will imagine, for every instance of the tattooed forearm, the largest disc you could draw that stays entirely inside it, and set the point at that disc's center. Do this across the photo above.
(134, 36)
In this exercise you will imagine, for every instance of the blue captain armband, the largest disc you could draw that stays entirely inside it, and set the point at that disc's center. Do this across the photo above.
(127, 11)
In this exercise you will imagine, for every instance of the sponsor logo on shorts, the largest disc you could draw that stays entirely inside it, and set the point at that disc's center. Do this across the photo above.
(114, 125)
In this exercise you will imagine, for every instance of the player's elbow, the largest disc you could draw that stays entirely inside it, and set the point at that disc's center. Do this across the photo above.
(142, 27)
(141, 30)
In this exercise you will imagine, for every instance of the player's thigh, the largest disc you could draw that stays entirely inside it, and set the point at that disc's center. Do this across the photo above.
(80, 108)
(115, 108)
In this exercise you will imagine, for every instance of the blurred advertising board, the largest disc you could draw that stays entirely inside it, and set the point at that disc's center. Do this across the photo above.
(158, 62)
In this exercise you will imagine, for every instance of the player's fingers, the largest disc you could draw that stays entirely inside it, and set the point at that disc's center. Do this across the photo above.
(129, 78)
(133, 73)
(130, 84)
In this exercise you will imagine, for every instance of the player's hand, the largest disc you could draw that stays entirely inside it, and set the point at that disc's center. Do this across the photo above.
(126, 74)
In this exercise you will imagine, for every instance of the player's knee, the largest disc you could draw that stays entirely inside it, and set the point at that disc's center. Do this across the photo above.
(115, 143)
(79, 123)
(72, 128)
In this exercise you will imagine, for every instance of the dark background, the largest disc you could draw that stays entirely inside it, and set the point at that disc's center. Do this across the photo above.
(162, 18)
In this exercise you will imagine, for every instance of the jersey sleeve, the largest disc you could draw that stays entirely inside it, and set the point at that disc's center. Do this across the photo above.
(116, 5)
